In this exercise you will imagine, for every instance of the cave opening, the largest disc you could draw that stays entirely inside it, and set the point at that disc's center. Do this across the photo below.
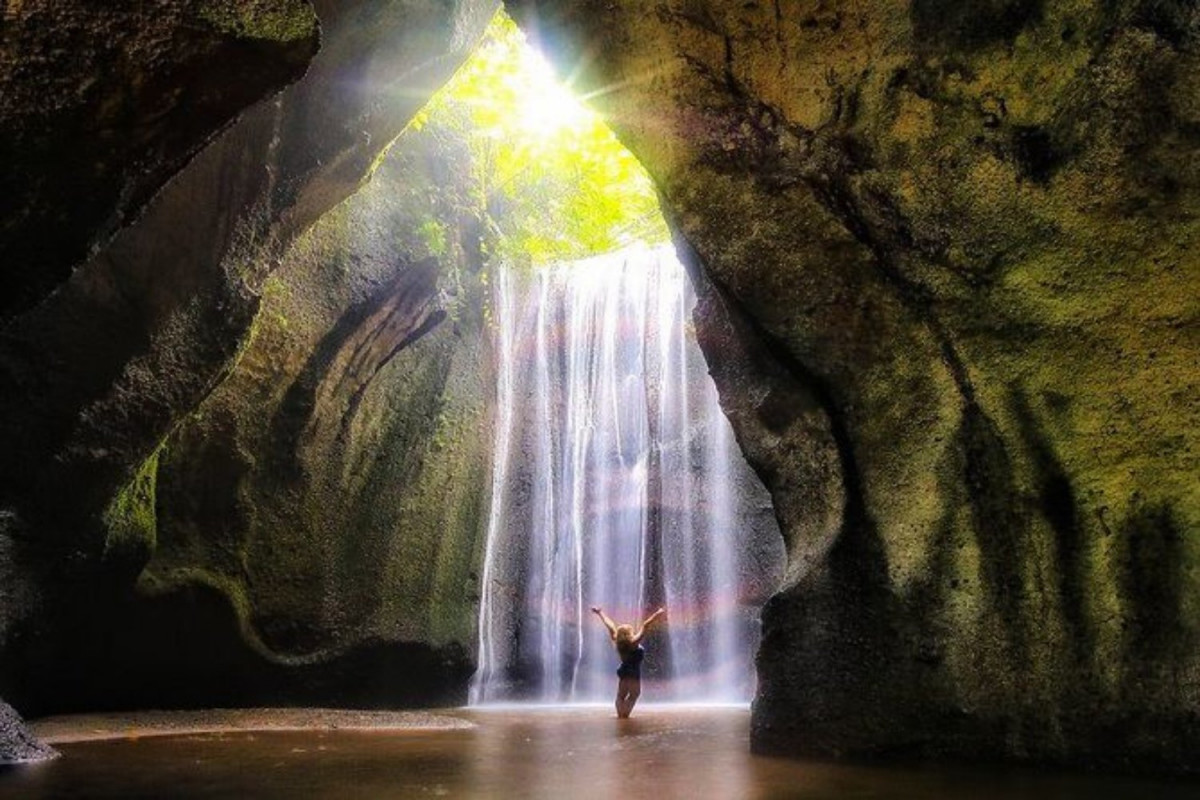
(249, 341)
(616, 481)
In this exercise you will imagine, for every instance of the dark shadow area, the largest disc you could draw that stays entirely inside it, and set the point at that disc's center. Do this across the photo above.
(139, 655)
(1058, 505)
(1001, 531)
(964, 26)
(1150, 581)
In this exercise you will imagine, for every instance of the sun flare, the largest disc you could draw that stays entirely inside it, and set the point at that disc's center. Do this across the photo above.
(544, 106)
(554, 181)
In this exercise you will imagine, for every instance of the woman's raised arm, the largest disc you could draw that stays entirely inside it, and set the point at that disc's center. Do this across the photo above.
(641, 631)
(608, 623)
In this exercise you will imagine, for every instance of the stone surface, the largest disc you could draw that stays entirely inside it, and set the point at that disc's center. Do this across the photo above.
(333, 487)
(18, 745)
(94, 378)
(103, 102)
(949, 253)
(314, 523)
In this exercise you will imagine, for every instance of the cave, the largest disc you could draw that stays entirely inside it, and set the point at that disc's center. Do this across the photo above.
(942, 276)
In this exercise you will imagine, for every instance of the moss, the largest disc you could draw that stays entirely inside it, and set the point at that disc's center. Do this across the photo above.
(269, 20)
(131, 521)
(386, 151)
(331, 488)
(450, 496)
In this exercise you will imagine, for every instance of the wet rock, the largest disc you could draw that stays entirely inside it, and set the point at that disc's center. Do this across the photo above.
(348, 449)
(17, 744)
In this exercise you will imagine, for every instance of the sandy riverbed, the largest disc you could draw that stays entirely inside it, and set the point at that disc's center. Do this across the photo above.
(132, 725)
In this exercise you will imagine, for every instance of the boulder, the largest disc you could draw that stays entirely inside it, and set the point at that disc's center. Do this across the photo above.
(17, 744)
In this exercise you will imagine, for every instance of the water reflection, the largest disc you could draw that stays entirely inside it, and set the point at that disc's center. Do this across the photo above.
(575, 753)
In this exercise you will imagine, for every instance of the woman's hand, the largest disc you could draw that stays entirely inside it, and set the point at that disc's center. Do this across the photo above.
(608, 623)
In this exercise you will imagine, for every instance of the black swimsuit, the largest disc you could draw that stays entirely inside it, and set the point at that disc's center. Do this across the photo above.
(631, 664)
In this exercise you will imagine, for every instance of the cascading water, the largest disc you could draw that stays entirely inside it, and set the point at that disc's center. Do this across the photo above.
(616, 482)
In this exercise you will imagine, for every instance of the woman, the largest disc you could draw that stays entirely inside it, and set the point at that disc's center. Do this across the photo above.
(629, 647)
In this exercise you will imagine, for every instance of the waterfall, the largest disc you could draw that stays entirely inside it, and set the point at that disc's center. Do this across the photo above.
(616, 482)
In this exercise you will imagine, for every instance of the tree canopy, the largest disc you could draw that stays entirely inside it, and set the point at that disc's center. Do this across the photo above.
(551, 178)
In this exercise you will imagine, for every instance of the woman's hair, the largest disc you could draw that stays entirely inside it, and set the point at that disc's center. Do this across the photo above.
(624, 639)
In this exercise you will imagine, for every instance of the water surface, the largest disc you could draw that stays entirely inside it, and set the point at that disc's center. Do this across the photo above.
(578, 754)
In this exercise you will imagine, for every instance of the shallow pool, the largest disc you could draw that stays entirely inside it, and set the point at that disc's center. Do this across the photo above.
(519, 753)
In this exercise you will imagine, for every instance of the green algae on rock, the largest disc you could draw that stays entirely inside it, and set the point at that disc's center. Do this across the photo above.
(131, 520)
(140, 334)
(331, 487)
(261, 19)
(967, 239)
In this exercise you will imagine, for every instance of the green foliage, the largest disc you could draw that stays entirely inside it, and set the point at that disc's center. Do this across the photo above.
(434, 236)
(548, 175)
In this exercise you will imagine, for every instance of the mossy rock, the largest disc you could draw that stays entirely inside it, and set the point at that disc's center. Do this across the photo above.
(951, 251)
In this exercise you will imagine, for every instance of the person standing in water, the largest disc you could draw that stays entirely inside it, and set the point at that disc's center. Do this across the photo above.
(629, 647)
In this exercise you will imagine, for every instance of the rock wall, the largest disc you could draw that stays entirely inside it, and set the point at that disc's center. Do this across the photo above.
(948, 255)
(102, 103)
(314, 520)
(95, 376)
